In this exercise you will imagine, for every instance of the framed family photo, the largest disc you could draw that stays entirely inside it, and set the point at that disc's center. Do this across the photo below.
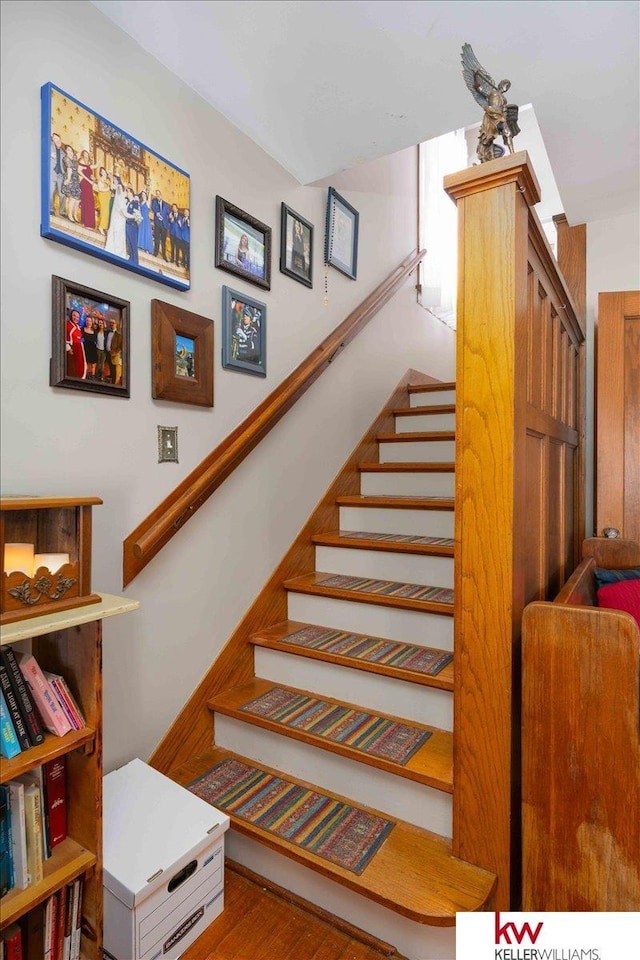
(182, 355)
(243, 244)
(107, 194)
(90, 340)
(296, 246)
(341, 237)
(244, 333)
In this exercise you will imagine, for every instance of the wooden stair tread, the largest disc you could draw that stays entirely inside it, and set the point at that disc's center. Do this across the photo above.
(430, 387)
(431, 764)
(274, 638)
(418, 435)
(313, 583)
(400, 466)
(412, 873)
(396, 502)
(424, 410)
(371, 541)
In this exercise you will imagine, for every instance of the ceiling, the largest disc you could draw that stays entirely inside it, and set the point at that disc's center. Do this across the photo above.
(324, 85)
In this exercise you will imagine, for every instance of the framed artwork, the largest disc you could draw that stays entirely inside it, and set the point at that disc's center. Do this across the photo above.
(243, 244)
(296, 246)
(341, 237)
(244, 332)
(182, 355)
(107, 194)
(90, 340)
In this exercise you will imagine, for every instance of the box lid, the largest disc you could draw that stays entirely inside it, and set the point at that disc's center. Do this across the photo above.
(150, 823)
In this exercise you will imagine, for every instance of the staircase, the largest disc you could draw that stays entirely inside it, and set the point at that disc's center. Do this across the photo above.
(353, 694)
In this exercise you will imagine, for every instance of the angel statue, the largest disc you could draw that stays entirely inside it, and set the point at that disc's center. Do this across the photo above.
(500, 117)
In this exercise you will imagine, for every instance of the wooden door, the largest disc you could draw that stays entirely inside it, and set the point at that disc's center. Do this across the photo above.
(618, 413)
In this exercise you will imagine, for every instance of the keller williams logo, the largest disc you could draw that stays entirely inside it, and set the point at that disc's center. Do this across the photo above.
(507, 929)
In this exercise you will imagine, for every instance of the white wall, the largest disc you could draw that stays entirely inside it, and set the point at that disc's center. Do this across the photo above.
(613, 263)
(65, 442)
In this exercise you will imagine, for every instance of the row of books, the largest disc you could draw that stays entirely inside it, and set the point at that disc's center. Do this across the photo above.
(51, 931)
(32, 700)
(33, 821)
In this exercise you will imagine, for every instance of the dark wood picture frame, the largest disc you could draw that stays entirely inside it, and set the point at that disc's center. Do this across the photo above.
(254, 360)
(340, 214)
(232, 226)
(181, 355)
(296, 263)
(73, 347)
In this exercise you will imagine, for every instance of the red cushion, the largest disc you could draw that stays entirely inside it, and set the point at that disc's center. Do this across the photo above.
(624, 595)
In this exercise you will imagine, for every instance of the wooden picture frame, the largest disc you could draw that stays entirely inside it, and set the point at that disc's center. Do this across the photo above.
(181, 355)
(243, 244)
(296, 246)
(107, 194)
(244, 333)
(341, 235)
(90, 336)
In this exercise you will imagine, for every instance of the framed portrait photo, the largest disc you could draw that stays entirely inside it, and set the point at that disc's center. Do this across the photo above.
(107, 194)
(243, 244)
(181, 355)
(244, 333)
(341, 237)
(296, 246)
(90, 340)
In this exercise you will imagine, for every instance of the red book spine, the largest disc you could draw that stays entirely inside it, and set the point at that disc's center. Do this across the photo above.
(12, 937)
(56, 792)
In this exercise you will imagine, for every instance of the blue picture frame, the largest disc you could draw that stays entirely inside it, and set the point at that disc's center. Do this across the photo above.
(341, 235)
(85, 175)
(244, 332)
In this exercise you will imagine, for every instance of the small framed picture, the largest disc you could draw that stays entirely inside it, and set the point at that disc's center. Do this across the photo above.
(296, 246)
(182, 355)
(90, 340)
(341, 238)
(244, 332)
(243, 244)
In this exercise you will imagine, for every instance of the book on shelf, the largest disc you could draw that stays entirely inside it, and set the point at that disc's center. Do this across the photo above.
(7, 881)
(32, 925)
(55, 780)
(23, 698)
(18, 835)
(9, 743)
(68, 924)
(33, 827)
(78, 888)
(14, 711)
(62, 919)
(51, 909)
(12, 942)
(51, 712)
(61, 689)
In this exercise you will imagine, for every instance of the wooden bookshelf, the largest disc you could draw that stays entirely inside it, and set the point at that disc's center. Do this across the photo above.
(69, 642)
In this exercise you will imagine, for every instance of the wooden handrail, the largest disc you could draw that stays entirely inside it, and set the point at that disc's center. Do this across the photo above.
(161, 524)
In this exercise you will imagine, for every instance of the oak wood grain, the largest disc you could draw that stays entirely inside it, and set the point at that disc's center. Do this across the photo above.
(397, 502)
(312, 583)
(342, 539)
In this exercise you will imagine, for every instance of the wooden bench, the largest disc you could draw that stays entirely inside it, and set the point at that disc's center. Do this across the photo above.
(581, 745)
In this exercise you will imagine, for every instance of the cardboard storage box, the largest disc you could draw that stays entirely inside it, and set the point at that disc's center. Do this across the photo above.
(163, 864)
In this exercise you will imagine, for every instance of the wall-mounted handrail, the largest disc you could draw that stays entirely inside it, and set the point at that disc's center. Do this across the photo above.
(163, 523)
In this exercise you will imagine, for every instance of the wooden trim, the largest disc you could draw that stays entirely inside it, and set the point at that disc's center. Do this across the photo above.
(572, 260)
(190, 732)
(426, 410)
(308, 583)
(417, 436)
(168, 517)
(46, 503)
(401, 466)
(397, 503)
(342, 539)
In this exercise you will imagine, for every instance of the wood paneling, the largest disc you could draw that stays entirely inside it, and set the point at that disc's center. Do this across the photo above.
(572, 260)
(618, 413)
(516, 415)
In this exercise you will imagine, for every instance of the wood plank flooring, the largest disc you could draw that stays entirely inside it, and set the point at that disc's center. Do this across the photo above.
(261, 921)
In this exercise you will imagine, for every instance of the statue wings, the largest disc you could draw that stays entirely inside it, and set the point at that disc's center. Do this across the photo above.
(479, 82)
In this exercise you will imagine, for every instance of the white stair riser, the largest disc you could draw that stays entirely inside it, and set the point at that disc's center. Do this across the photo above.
(408, 484)
(394, 796)
(432, 398)
(407, 626)
(418, 451)
(415, 941)
(372, 691)
(425, 421)
(420, 523)
(386, 565)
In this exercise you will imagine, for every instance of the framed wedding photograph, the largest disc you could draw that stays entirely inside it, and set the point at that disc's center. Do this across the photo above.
(341, 237)
(90, 340)
(107, 194)
(181, 355)
(244, 333)
(243, 244)
(296, 246)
